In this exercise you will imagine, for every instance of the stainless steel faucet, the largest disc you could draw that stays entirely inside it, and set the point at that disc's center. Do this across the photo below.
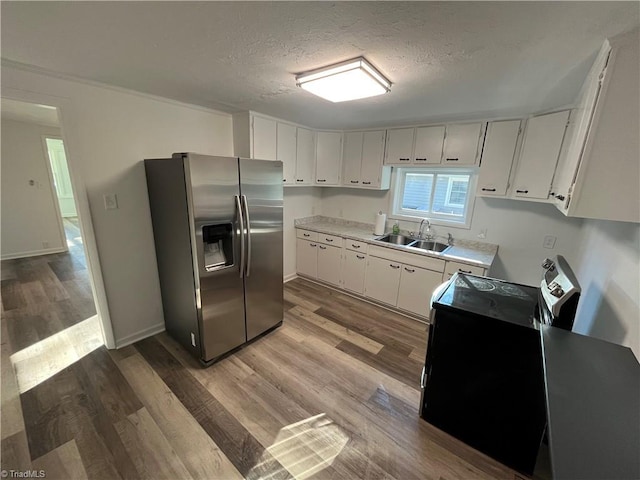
(420, 232)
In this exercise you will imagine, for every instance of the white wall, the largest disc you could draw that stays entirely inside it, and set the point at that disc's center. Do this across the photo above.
(609, 274)
(299, 202)
(30, 223)
(108, 133)
(517, 227)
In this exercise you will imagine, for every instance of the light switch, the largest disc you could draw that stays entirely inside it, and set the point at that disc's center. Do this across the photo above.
(549, 241)
(110, 201)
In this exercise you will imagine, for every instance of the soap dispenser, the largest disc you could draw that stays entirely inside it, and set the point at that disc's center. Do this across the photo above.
(396, 228)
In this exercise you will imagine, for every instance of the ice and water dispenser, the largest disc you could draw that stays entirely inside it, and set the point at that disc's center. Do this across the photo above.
(217, 246)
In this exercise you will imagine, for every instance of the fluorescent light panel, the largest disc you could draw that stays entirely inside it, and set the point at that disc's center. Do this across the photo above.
(345, 81)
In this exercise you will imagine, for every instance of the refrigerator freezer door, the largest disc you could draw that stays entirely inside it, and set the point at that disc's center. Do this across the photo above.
(215, 220)
(261, 187)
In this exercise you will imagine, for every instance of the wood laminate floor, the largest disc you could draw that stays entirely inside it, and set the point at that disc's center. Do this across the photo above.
(332, 393)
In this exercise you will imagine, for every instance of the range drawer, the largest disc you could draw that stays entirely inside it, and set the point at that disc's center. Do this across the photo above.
(307, 235)
(355, 245)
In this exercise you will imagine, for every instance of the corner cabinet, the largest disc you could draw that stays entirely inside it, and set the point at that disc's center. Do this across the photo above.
(362, 160)
(328, 158)
(541, 146)
(599, 170)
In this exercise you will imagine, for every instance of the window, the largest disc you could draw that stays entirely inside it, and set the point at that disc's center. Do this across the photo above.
(443, 195)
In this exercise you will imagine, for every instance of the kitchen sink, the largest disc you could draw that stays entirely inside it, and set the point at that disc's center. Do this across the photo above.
(396, 239)
(430, 245)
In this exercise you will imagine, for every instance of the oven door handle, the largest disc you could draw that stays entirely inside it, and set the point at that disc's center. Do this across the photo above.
(422, 375)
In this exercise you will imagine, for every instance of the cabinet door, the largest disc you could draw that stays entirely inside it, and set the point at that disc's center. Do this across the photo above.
(329, 264)
(461, 144)
(354, 266)
(286, 151)
(416, 288)
(399, 146)
(352, 159)
(382, 279)
(372, 157)
(497, 157)
(264, 138)
(328, 158)
(307, 258)
(305, 156)
(429, 144)
(540, 150)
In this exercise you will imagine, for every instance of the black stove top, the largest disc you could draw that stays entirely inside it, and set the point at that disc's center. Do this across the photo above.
(489, 297)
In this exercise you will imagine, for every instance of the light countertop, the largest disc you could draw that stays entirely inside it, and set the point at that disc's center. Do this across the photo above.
(478, 254)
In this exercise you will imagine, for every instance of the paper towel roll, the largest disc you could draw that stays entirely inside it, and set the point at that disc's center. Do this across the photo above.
(381, 220)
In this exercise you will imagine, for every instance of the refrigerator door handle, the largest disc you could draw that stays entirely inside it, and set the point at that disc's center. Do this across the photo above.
(246, 212)
(241, 219)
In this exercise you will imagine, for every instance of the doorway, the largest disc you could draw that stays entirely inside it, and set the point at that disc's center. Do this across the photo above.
(49, 312)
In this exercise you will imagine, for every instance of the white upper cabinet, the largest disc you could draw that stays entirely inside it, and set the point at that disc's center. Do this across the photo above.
(328, 158)
(429, 142)
(399, 146)
(362, 160)
(264, 138)
(352, 158)
(540, 151)
(599, 170)
(462, 144)
(305, 156)
(286, 151)
(497, 157)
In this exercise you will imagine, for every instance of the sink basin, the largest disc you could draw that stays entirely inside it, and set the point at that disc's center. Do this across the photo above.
(396, 239)
(430, 245)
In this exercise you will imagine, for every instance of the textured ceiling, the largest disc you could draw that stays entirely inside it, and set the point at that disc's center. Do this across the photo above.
(447, 60)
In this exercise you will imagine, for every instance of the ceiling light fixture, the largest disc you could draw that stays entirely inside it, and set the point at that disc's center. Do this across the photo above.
(345, 81)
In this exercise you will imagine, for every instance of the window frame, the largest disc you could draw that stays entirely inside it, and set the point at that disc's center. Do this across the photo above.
(398, 187)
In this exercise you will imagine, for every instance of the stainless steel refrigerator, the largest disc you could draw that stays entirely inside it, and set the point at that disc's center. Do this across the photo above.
(217, 225)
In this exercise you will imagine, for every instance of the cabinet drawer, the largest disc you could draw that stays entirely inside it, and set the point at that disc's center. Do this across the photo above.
(422, 261)
(307, 235)
(355, 245)
(330, 239)
(453, 267)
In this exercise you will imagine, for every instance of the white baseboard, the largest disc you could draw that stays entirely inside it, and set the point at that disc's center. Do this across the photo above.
(134, 337)
(290, 277)
(33, 253)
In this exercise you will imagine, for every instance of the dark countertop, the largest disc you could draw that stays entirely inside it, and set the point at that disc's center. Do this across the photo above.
(593, 407)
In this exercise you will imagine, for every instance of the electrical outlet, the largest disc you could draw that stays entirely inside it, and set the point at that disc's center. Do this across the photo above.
(313, 210)
(483, 233)
(110, 201)
(341, 214)
(45, 244)
(549, 241)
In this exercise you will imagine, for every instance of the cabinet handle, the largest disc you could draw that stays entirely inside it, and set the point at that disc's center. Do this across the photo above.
(522, 191)
(488, 189)
(464, 271)
(560, 197)
(360, 257)
(306, 234)
(421, 159)
(394, 266)
(354, 181)
(355, 246)
(366, 183)
(452, 159)
(313, 244)
(323, 180)
(404, 159)
(322, 248)
(299, 180)
(284, 179)
(410, 270)
(329, 239)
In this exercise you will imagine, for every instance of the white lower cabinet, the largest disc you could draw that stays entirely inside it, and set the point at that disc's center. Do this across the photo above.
(382, 280)
(307, 258)
(329, 264)
(416, 287)
(353, 271)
